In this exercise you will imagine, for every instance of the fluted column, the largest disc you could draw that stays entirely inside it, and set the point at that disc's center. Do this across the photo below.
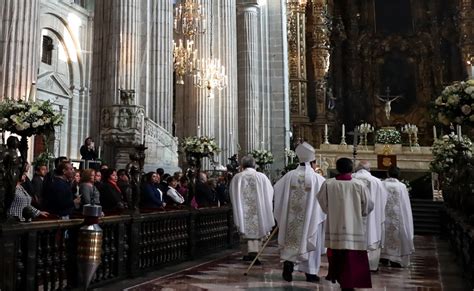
(19, 47)
(226, 101)
(159, 46)
(467, 35)
(248, 86)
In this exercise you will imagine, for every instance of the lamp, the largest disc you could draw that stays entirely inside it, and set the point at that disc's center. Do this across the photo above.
(184, 59)
(188, 19)
(210, 75)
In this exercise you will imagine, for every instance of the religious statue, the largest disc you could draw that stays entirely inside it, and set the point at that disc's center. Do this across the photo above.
(105, 118)
(12, 169)
(124, 119)
(387, 99)
(127, 96)
(134, 173)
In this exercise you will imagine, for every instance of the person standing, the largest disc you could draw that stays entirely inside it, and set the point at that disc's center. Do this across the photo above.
(376, 218)
(300, 218)
(398, 222)
(87, 150)
(346, 202)
(251, 194)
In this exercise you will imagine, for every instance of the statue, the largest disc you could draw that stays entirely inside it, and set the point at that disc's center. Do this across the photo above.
(134, 173)
(106, 118)
(386, 99)
(12, 169)
(124, 119)
(126, 96)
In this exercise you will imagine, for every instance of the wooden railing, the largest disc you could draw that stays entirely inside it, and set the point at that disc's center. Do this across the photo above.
(42, 255)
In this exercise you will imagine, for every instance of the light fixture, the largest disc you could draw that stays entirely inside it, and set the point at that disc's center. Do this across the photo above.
(189, 19)
(210, 75)
(184, 59)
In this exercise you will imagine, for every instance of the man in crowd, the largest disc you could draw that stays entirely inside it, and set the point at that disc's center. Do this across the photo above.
(251, 194)
(376, 218)
(346, 202)
(398, 222)
(37, 184)
(300, 218)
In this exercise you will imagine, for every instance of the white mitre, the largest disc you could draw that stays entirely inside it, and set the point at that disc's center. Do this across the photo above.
(305, 153)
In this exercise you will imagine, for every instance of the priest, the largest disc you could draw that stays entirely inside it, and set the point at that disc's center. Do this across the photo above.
(346, 202)
(376, 218)
(300, 218)
(398, 222)
(251, 194)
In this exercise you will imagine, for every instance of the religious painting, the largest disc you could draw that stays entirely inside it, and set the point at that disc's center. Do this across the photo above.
(393, 17)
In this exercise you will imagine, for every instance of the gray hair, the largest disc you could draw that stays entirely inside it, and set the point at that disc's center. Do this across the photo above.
(247, 162)
(363, 165)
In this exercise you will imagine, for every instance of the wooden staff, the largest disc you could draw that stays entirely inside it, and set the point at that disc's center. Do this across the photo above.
(261, 251)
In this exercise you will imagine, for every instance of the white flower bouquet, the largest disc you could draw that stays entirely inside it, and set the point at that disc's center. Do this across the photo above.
(203, 146)
(27, 118)
(455, 104)
(388, 136)
(262, 157)
(445, 151)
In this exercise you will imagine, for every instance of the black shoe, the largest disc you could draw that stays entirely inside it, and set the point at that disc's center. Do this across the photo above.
(257, 262)
(312, 278)
(288, 271)
(247, 258)
(384, 262)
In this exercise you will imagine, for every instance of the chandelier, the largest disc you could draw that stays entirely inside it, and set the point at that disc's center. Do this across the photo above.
(210, 75)
(184, 60)
(188, 19)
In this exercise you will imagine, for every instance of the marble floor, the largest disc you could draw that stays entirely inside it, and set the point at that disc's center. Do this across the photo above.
(433, 268)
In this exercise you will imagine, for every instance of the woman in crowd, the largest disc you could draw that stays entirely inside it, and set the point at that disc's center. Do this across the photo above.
(21, 201)
(88, 191)
(173, 195)
(152, 196)
(110, 193)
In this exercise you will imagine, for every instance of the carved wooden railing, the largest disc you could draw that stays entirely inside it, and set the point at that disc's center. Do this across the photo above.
(42, 255)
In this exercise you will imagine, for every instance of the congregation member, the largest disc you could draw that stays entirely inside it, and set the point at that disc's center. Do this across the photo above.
(251, 194)
(204, 196)
(87, 150)
(58, 197)
(346, 202)
(110, 194)
(37, 184)
(183, 189)
(88, 191)
(398, 222)
(300, 218)
(22, 200)
(125, 186)
(152, 197)
(174, 198)
(376, 218)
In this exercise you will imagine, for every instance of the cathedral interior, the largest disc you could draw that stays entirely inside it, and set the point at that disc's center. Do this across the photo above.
(252, 75)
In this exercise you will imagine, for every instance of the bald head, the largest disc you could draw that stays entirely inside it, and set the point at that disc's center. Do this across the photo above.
(363, 165)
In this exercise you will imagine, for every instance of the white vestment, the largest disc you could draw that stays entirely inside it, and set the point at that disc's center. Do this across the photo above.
(398, 224)
(251, 194)
(376, 218)
(300, 218)
(346, 203)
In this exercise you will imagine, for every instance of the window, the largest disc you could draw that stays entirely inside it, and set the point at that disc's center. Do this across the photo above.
(47, 53)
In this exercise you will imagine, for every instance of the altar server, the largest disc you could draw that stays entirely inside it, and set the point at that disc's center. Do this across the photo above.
(251, 194)
(376, 218)
(300, 218)
(346, 202)
(398, 222)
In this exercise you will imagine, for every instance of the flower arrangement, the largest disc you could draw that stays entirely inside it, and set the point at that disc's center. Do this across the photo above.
(43, 159)
(446, 149)
(262, 157)
(388, 136)
(200, 145)
(27, 118)
(455, 104)
(407, 184)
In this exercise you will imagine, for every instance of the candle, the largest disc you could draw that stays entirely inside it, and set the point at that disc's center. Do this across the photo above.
(320, 160)
(326, 129)
(98, 152)
(343, 130)
(459, 132)
(199, 131)
(142, 132)
(434, 132)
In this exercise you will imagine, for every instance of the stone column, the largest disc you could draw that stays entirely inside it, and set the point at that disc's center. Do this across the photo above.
(159, 68)
(467, 35)
(248, 86)
(226, 101)
(19, 47)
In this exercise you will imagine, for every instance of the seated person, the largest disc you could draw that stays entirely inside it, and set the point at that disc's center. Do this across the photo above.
(23, 200)
(152, 197)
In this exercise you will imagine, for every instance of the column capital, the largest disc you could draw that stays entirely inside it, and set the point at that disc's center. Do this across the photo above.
(248, 6)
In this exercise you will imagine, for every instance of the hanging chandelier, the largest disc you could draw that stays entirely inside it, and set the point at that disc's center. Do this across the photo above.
(184, 59)
(210, 75)
(189, 19)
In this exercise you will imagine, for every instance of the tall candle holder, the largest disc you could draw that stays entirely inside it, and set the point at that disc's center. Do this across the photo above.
(411, 130)
(364, 129)
(326, 141)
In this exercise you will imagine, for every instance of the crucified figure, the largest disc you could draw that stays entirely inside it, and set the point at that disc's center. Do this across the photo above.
(387, 99)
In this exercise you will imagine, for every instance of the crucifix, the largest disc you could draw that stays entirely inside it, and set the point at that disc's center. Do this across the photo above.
(387, 99)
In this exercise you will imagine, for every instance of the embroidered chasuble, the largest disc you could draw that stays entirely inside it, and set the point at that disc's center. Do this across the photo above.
(251, 193)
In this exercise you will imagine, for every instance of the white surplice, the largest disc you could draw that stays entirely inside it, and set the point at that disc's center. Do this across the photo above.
(300, 218)
(399, 230)
(251, 194)
(376, 218)
(347, 203)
